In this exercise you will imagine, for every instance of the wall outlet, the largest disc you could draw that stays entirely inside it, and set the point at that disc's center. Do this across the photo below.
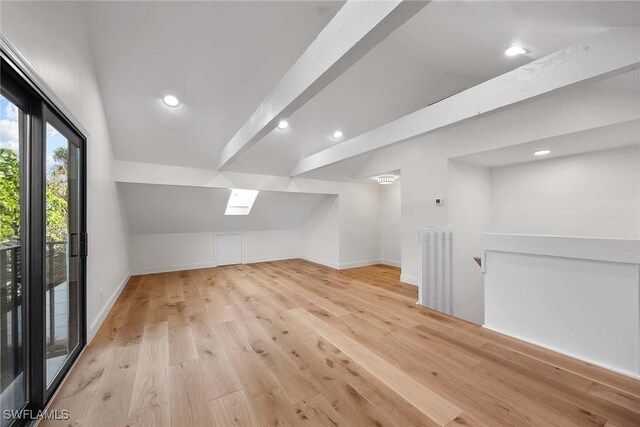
(439, 201)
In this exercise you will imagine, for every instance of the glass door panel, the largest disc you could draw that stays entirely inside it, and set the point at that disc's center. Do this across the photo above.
(12, 337)
(62, 251)
(42, 247)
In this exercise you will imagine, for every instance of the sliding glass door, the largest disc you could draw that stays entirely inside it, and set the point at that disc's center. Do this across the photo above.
(42, 247)
(12, 304)
(62, 246)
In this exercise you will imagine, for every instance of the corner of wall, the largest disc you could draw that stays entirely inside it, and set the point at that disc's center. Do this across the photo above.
(410, 280)
(99, 319)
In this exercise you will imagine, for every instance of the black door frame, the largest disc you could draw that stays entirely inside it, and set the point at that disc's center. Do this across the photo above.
(75, 138)
(18, 87)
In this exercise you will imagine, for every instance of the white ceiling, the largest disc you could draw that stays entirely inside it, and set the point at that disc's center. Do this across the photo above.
(176, 209)
(219, 58)
(601, 112)
(628, 82)
(222, 58)
(447, 47)
(606, 137)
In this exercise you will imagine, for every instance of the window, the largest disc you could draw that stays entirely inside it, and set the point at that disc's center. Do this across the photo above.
(240, 202)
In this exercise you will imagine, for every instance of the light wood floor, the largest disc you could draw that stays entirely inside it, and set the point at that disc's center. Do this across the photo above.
(294, 343)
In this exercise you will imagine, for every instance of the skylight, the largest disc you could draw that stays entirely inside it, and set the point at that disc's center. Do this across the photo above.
(240, 202)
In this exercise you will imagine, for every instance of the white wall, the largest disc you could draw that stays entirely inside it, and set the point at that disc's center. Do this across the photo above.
(469, 207)
(155, 253)
(425, 168)
(423, 160)
(342, 231)
(320, 236)
(424, 178)
(390, 230)
(358, 216)
(359, 225)
(594, 195)
(53, 38)
(574, 295)
(271, 245)
(328, 232)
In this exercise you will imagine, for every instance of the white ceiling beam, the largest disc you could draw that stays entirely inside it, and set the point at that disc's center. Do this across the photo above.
(615, 51)
(354, 30)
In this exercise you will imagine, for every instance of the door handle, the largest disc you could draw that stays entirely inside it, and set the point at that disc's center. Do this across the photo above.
(74, 245)
(84, 244)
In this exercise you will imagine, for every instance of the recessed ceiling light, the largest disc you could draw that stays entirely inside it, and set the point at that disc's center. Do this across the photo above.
(515, 50)
(171, 100)
(337, 134)
(541, 152)
(283, 124)
(386, 179)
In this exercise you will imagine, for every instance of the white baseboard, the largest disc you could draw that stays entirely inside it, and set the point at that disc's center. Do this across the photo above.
(321, 261)
(355, 264)
(331, 264)
(391, 262)
(97, 322)
(405, 278)
(341, 266)
(268, 258)
(170, 268)
(566, 353)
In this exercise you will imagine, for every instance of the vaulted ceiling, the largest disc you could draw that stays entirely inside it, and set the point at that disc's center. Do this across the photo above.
(220, 58)
(223, 58)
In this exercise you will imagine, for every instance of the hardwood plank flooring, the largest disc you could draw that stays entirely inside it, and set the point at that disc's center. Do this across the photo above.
(295, 343)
